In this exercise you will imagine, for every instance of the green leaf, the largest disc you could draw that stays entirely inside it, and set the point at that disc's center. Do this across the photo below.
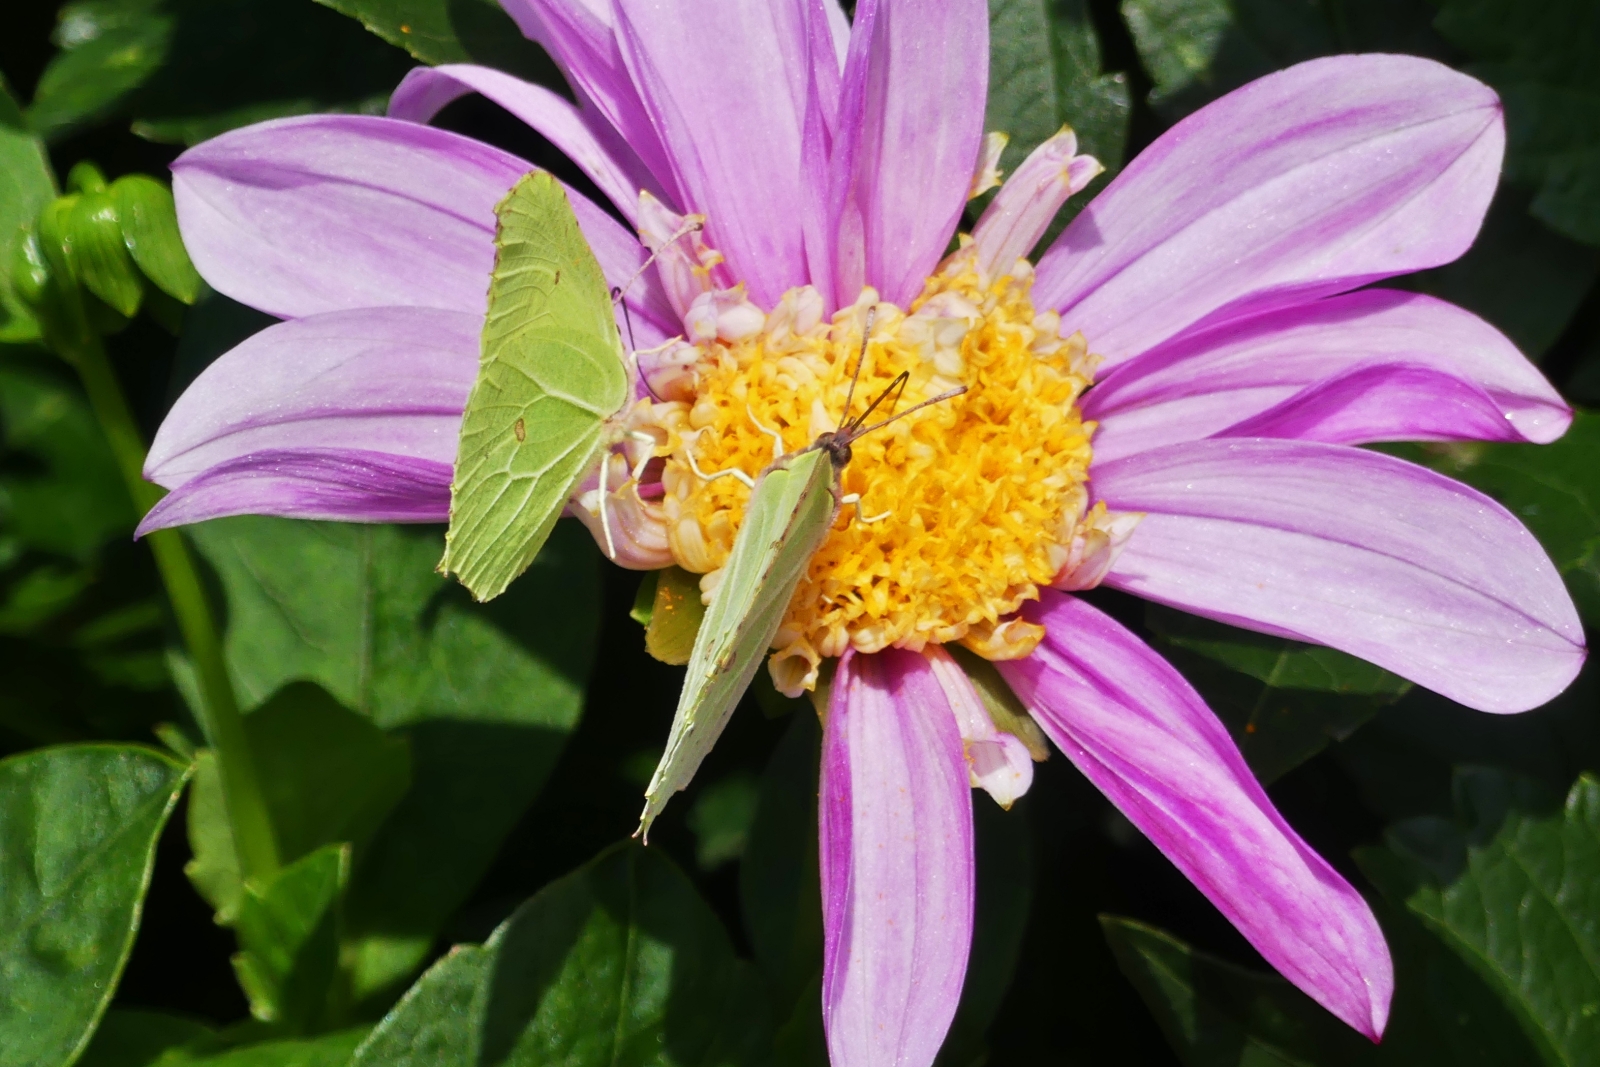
(289, 940)
(780, 891)
(1217, 1014)
(1004, 855)
(1283, 701)
(453, 31)
(1197, 50)
(186, 70)
(99, 257)
(721, 818)
(1554, 489)
(676, 611)
(132, 1037)
(620, 962)
(214, 871)
(1520, 276)
(1513, 885)
(486, 693)
(109, 49)
(330, 1050)
(434, 1024)
(26, 185)
(78, 831)
(329, 776)
(1214, 1013)
(1044, 73)
(150, 230)
(1540, 58)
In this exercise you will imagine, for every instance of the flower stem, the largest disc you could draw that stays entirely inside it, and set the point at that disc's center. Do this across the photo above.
(219, 713)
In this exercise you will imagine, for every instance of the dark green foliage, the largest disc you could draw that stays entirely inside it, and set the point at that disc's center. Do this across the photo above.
(1282, 700)
(185, 70)
(485, 695)
(410, 742)
(452, 31)
(78, 828)
(1540, 57)
(620, 962)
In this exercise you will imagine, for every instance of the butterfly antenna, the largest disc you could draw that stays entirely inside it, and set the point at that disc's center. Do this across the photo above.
(913, 408)
(692, 224)
(627, 317)
(896, 387)
(866, 336)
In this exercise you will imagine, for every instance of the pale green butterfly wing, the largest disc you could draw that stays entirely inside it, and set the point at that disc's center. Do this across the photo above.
(550, 373)
(785, 523)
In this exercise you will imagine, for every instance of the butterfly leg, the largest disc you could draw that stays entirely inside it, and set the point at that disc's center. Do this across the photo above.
(854, 499)
(777, 438)
(642, 438)
(731, 472)
(605, 514)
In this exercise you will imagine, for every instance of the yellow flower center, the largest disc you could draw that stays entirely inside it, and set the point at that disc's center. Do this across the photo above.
(966, 507)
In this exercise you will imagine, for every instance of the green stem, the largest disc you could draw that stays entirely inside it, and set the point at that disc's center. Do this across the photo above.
(220, 717)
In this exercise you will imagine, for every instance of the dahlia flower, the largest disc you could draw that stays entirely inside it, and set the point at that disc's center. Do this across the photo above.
(1168, 403)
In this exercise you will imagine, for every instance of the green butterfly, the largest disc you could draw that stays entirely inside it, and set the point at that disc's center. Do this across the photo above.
(792, 507)
(551, 375)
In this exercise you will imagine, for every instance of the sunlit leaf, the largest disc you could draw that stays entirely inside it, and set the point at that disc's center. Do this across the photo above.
(1196, 50)
(1283, 701)
(150, 229)
(185, 70)
(676, 612)
(99, 256)
(434, 1024)
(330, 1050)
(486, 694)
(618, 962)
(1218, 1014)
(26, 185)
(78, 830)
(1044, 73)
(289, 940)
(329, 776)
(452, 31)
(132, 1037)
(1513, 885)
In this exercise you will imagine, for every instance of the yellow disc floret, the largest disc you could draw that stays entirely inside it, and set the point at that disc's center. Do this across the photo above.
(966, 507)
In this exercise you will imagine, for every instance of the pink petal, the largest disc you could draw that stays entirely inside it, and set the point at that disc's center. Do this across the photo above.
(391, 381)
(726, 89)
(1027, 203)
(1384, 402)
(331, 212)
(1343, 547)
(609, 163)
(347, 485)
(997, 762)
(1141, 734)
(911, 127)
(897, 878)
(1205, 381)
(580, 36)
(1314, 180)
